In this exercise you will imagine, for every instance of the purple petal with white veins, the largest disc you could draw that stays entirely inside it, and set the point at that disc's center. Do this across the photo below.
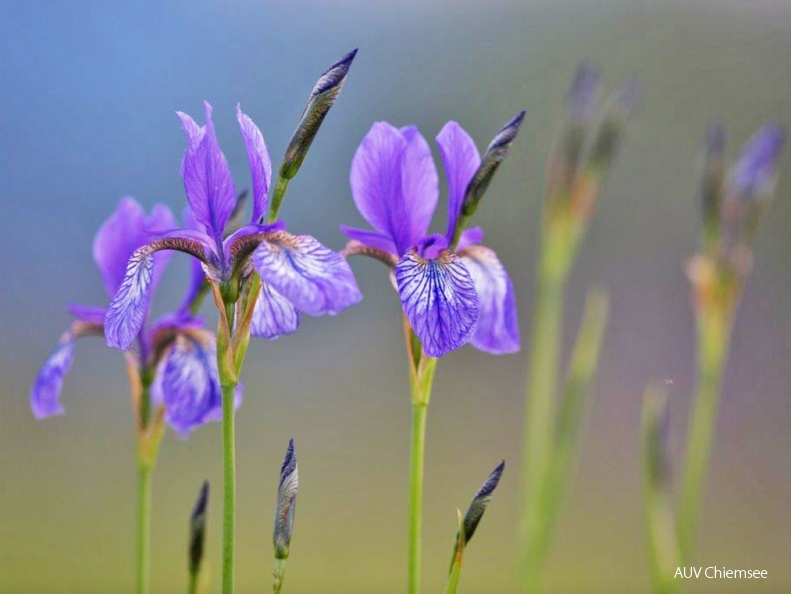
(45, 393)
(189, 386)
(260, 164)
(127, 311)
(240, 244)
(439, 300)
(461, 159)
(376, 176)
(419, 190)
(498, 324)
(273, 315)
(207, 179)
(310, 275)
(471, 236)
(116, 239)
(372, 239)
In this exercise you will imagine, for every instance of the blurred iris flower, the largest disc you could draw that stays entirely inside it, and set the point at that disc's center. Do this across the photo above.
(298, 273)
(453, 290)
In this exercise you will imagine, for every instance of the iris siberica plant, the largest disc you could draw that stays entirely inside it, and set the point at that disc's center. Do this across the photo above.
(732, 207)
(575, 175)
(261, 276)
(172, 372)
(452, 290)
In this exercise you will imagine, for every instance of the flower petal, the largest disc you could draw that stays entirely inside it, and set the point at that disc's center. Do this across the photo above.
(498, 324)
(45, 393)
(128, 309)
(188, 384)
(419, 188)
(372, 239)
(461, 160)
(116, 239)
(91, 314)
(439, 300)
(260, 164)
(471, 236)
(376, 178)
(207, 178)
(273, 315)
(310, 275)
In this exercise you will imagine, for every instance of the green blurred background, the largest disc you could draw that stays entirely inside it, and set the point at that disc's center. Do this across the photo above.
(88, 92)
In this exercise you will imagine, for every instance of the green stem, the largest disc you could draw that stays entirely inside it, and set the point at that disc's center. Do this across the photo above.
(277, 198)
(229, 485)
(419, 413)
(144, 527)
(192, 588)
(279, 574)
(713, 338)
(540, 406)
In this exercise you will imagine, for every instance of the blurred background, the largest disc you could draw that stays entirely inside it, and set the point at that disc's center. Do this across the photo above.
(88, 94)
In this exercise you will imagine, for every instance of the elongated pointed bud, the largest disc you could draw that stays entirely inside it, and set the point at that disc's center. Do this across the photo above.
(478, 505)
(753, 173)
(494, 155)
(619, 110)
(583, 96)
(286, 503)
(321, 99)
(198, 529)
(711, 193)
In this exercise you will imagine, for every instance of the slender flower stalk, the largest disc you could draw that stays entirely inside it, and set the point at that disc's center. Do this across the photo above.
(732, 208)
(453, 291)
(576, 172)
(262, 278)
(284, 514)
(197, 537)
(172, 376)
(468, 524)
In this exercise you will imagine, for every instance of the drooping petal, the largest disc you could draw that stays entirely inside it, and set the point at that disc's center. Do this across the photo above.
(127, 311)
(260, 164)
(376, 178)
(242, 242)
(45, 393)
(471, 236)
(419, 189)
(498, 324)
(310, 275)
(273, 315)
(372, 239)
(207, 178)
(91, 314)
(461, 159)
(116, 239)
(439, 300)
(189, 386)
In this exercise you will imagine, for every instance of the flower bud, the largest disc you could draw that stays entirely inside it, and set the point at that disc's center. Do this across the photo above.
(198, 529)
(583, 95)
(480, 501)
(286, 503)
(321, 99)
(494, 155)
(752, 175)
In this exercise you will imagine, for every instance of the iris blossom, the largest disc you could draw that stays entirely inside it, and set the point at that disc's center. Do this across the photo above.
(174, 354)
(298, 273)
(453, 290)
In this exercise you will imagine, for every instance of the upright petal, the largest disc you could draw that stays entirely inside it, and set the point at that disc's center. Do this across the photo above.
(419, 189)
(498, 325)
(260, 164)
(45, 393)
(310, 275)
(116, 239)
(188, 385)
(461, 160)
(439, 300)
(273, 315)
(128, 309)
(372, 239)
(207, 178)
(376, 178)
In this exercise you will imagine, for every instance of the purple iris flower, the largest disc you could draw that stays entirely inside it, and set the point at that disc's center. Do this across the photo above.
(175, 349)
(298, 273)
(450, 294)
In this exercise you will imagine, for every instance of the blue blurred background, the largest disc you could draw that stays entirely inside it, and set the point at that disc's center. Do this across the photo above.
(88, 94)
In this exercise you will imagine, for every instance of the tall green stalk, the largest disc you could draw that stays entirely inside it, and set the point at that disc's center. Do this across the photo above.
(713, 341)
(229, 484)
(143, 572)
(421, 382)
